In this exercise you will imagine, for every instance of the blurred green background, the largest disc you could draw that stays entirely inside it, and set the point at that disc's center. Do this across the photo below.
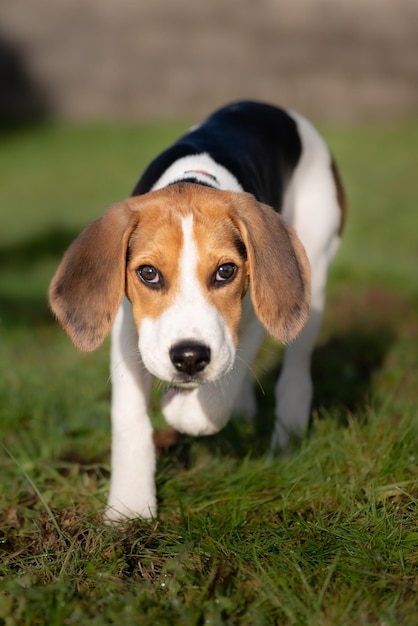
(89, 94)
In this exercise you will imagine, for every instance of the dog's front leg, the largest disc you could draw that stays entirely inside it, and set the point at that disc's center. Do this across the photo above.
(132, 485)
(294, 388)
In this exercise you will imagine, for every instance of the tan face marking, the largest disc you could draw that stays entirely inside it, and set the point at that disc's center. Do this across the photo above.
(157, 241)
(185, 238)
(218, 242)
(183, 234)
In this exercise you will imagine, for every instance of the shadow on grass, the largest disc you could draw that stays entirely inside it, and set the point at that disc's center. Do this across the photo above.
(342, 371)
(19, 307)
(48, 244)
(21, 311)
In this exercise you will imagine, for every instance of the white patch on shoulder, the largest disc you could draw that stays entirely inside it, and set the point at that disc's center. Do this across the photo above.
(189, 318)
(310, 203)
(195, 165)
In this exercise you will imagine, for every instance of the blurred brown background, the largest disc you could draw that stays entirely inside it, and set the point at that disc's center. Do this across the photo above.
(331, 59)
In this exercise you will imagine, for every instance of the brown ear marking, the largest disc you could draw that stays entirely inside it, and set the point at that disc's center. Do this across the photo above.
(89, 284)
(279, 268)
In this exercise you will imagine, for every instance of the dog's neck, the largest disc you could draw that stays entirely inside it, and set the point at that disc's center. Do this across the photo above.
(199, 177)
(204, 173)
(200, 169)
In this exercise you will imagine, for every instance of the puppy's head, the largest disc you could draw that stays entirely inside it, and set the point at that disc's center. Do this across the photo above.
(185, 256)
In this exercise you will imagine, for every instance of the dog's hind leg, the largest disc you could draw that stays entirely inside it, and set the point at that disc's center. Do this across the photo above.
(294, 388)
(312, 208)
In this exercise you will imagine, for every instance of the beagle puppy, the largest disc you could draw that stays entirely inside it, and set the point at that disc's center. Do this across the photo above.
(228, 234)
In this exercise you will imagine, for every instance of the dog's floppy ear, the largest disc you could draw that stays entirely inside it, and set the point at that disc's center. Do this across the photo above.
(89, 284)
(278, 266)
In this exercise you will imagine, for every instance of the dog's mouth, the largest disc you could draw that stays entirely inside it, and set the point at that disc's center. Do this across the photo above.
(176, 389)
(183, 386)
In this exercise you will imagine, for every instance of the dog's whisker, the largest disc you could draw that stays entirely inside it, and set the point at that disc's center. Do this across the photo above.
(253, 374)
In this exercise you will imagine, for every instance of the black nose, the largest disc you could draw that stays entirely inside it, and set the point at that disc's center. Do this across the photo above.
(189, 357)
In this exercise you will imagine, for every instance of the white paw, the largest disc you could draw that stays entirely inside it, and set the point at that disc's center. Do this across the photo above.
(293, 407)
(117, 511)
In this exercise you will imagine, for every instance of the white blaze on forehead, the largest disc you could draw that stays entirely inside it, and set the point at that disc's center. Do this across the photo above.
(188, 261)
(187, 317)
(194, 317)
(191, 317)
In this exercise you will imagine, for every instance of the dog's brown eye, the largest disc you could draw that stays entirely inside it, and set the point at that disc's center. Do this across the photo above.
(225, 273)
(150, 276)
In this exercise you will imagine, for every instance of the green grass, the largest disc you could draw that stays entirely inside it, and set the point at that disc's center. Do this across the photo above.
(326, 536)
